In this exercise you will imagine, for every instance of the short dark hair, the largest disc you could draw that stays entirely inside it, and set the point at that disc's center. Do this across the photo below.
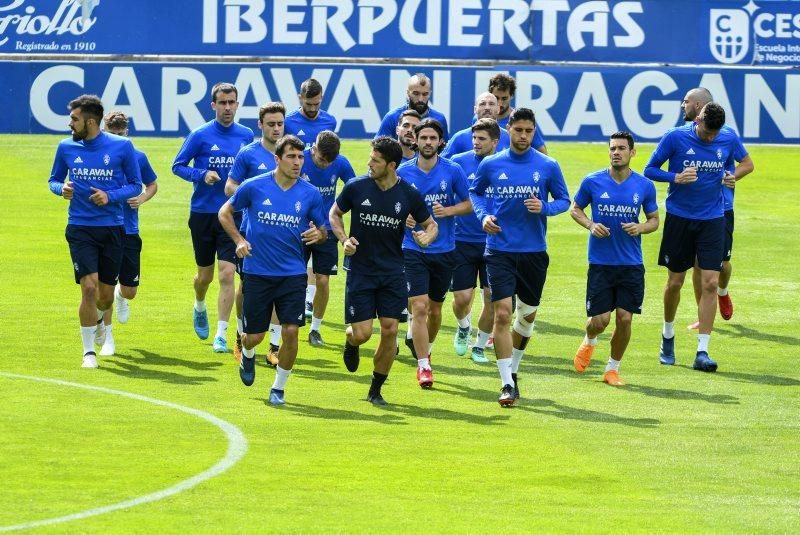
(328, 145)
(409, 113)
(292, 141)
(223, 87)
(624, 135)
(91, 107)
(271, 107)
(713, 116)
(310, 88)
(430, 123)
(503, 82)
(489, 126)
(522, 114)
(389, 148)
(116, 120)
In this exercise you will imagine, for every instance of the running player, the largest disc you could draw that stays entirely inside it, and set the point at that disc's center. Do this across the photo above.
(418, 94)
(309, 119)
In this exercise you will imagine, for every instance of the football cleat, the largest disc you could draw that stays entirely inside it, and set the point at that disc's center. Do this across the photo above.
(425, 377)
(376, 399)
(315, 339)
(506, 398)
(350, 357)
(583, 357)
(272, 357)
(490, 343)
(89, 360)
(276, 397)
(725, 306)
(309, 310)
(109, 347)
(121, 307)
(220, 345)
(237, 348)
(247, 370)
(478, 356)
(461, 340)
(667, 354)
(704, 363)
(611, 377)
(100, 333)
(201, 324)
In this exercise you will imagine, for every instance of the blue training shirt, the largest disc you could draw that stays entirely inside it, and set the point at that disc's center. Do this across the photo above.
(506, 179)
(277, 218)
(468, 227)
(538, 138)
(681, 147)
(325, 179)
(446, 184)
(252, 160)
(389, 123)
(212, 147)
(108, 163)
(614, 203)
(148, 177)
(307, 129)
(462, 142)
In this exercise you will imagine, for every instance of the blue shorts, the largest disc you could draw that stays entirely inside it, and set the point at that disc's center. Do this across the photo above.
(210, 239)
(369, 296)
(131, 260)
(469, 266)
(95, 250)
(522, 274)
(611, 287)
(428, 274)
(324, 256)
(728, 250)
(261, 293)
(685, 239)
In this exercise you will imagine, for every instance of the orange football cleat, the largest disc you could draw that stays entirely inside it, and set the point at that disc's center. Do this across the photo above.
(611, 377)
(583, 357)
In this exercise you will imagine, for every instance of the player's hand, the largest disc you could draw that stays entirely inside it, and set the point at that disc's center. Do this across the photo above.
(633, 229)
(533, 204)
(135, 202)
(312, 235)
(490, 225)
(439, 211)
(687, 176)
(411, 222)
(350, 245)
(243, 248)
(211, 177)
(599, 230)
(99, 197)
(421, 238)
(729, 180)
(67, 191)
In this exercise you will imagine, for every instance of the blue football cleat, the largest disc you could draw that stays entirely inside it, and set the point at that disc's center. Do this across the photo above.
(667, 354)
(704, 363)
(247, 370)
(220, 345)
(276, 397)
(461, 340)
(201, 324)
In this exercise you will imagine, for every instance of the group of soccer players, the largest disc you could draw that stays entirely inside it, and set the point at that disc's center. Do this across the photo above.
(431, 216)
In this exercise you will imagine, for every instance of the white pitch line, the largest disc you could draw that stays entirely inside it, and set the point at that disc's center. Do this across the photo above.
(237, 447)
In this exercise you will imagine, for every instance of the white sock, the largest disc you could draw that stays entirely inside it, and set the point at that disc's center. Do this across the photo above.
(722, 292)
(239, 325)
(516, 357)
(200, 306)
(275, 334)
(249, 353)
(315, 323)
(117, 294)
(481, 339)
(100, 314)
(504, 366)
(311, 291)
(430, 349)
(589, 341)
(87, 337)
(108, 331)
(424, 363)
(222, 329)
(465, 322)
(408, 332)
(281, 376)
(613, 365)
(669, 329)
(702, 342)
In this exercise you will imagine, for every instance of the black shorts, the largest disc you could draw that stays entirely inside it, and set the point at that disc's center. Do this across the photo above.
(95, 250)
(261, 293)
(428, 274)
(728, 251)
(522, 274)
(685, 239)
(210, 239)
(324, 256)
(131, 260)
(469, 266)
(611, 287)
(369, 296)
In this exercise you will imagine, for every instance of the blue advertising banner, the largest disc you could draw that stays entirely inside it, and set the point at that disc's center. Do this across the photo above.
(728, 32)
(571, 103)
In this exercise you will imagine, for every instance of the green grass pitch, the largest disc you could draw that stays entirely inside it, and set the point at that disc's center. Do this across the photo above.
(675, 450)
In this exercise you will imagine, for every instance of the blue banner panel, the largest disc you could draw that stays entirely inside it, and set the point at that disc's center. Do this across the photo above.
(727, 32)
(571, 103)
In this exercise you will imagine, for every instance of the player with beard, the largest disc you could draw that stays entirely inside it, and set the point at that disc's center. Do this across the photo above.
(418, 95)
(379, 204)
(309, 119)
(409, 119)
(485, 108)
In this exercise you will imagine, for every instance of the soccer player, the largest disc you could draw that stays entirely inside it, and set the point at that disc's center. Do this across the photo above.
(485, 108)
(284, 214)
(309, 119)
(323, 167)
(213, 147)
(418, 93)
(96, 172)
(470, 245)
(695, 223)
(615, 282)
(380, 204)
(409, 119)
(510, 195)
(255, 159)
(116, 123)
(429, 269)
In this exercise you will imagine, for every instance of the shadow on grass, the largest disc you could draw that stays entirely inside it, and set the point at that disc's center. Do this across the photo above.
(745, 332)
(549, 407)
(543, 327)
(670, 393)
(154, 359)
(310, 411)
(771, 380)
(126, 369)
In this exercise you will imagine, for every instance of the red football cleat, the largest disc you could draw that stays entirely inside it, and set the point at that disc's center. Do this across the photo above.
(725, 306)
(425, 377)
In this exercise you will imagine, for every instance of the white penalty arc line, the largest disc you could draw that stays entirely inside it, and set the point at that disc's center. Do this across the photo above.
(237, 447)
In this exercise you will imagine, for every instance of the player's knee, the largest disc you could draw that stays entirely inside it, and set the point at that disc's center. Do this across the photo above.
(419, 307)
(128, 292)
(251, 340)
(361, 334)
(624, 318)
(204, 277)
(599, 323)
(502, 318)
(322, 282)
(226, 274)
(521, 325)
(710, 281)
(389, 329)
(289, 331)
